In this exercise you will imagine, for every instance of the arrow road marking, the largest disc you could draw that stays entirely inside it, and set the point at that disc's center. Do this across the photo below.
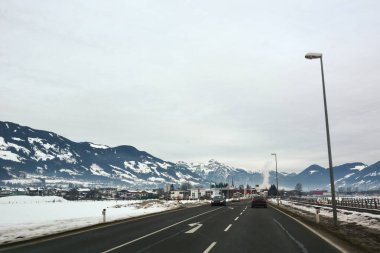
(197, 226)
(157, 231)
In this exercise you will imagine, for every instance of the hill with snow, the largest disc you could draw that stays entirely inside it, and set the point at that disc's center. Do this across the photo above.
(31, 157)
(31, 153)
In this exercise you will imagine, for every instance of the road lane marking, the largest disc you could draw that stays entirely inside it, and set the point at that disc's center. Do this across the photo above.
(197, 226)
(157, 231)
(237, 218)
(228, 227)
(300, 245)
(209, 248)
(241, 213)
(314, 231)
(90, 228)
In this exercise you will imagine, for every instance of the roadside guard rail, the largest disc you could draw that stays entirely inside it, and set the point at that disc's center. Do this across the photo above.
(367, 203)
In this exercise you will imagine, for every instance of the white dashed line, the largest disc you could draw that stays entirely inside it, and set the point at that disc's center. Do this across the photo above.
(209, 248)
(227, 228)
(157, 231)
(237, 218)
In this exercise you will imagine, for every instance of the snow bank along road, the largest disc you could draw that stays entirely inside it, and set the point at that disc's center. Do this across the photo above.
(235, 228)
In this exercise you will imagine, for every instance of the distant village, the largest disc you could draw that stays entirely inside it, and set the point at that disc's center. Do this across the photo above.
(185, 191)
(169, 192)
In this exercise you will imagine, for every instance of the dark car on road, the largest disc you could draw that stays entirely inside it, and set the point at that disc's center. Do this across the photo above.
(218, 201)
(258, 201)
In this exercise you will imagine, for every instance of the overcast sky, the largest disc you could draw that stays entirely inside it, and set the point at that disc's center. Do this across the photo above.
(196, 80)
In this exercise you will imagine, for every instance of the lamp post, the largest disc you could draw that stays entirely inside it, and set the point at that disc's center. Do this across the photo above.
(228, 188)
(312, 56)
(275, 157)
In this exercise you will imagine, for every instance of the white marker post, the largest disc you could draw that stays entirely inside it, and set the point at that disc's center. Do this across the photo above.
(317, 209)
(104, 215)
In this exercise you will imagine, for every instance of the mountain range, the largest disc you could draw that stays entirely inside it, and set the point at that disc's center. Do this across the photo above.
(30, 156)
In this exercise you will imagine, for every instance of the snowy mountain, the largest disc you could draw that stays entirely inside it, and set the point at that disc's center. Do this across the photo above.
(317, 177)
(314, 177)
(217, 172)
(30, 156)
(363, 177)
(26, 152)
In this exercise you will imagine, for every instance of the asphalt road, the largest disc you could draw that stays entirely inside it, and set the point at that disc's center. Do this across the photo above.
(235, 228)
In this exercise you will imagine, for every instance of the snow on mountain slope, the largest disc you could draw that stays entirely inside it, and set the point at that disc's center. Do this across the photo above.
(26, 152)
(217, 172)
(30, 155)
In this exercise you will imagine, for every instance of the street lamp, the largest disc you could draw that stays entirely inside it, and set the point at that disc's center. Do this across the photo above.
(275, 157)
(228, 188)
(312, 56)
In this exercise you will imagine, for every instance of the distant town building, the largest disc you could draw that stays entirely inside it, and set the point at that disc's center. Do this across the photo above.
(200, 193)
(178, 194)
(318, 192)
(167, 188)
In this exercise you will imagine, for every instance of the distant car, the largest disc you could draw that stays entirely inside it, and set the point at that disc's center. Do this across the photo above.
(258, 201)
(236, 197)
(218, 201)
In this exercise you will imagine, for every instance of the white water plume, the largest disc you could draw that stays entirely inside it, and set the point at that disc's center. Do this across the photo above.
(265, 174)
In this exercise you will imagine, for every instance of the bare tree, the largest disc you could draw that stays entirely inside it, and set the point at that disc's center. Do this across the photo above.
(298, 188)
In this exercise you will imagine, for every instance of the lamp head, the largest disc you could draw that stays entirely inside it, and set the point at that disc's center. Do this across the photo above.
(311, 56)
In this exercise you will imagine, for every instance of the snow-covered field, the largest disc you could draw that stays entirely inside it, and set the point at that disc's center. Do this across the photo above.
(25, 217)
(360, 218)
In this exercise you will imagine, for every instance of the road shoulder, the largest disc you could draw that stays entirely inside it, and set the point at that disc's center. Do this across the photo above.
(327, 232)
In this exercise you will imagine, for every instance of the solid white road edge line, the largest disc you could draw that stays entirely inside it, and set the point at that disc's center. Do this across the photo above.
(89, 228)
(209, 248)
(228, 227)
(302, 247)
(315, 232)
(157, 231)
(237, 218)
